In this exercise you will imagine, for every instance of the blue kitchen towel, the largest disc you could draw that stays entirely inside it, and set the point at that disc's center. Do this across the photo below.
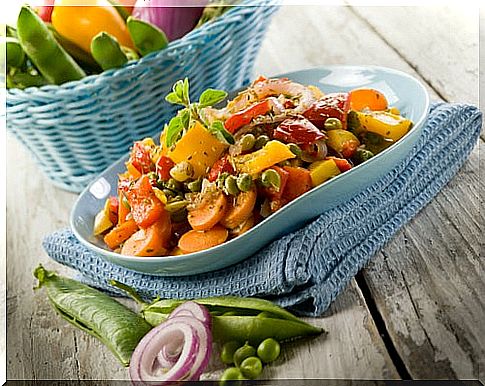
(307, 269)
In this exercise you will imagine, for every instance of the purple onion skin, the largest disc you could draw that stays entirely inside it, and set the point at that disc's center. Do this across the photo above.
(174, 21)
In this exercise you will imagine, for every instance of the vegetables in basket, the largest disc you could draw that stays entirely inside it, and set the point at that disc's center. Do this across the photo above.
(220, 171)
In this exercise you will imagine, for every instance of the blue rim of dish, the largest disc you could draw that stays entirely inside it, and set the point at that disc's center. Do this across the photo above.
(280, 212)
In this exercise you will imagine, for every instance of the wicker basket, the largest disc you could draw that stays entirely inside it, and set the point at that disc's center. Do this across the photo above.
(74, 131)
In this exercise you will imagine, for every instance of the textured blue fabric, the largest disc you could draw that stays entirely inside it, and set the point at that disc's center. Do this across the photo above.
(307, 269)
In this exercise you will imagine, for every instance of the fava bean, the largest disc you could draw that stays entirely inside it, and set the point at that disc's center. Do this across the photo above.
(230, 186)
(195, 186)
(295, 149)
(362, 155)
(244, 182)
(270, 178)
(182, 171)
(261, 141)
(247, 142)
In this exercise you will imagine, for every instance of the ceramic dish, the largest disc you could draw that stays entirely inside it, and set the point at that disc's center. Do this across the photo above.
(401, 90)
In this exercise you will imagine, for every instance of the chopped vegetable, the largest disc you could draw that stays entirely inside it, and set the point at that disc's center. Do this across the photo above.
(194, 241)
(208, 212)
(120, 233)
(102, 221)
(151, 241)
(322, 171)
(245, 117)
(343, 142)
(146, 208)
(334, 105)
(298, 130)
(386, 124)
(239, 209)
(366, 98)
(299, 182)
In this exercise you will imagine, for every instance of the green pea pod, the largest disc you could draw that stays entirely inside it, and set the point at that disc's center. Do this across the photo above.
(84, 58)
(23, 80)
(107, 51)
(251, 306)
(53, 62)
(253, 329)
(12, 48)
(94, 312)
(11, 31)
(146, 37)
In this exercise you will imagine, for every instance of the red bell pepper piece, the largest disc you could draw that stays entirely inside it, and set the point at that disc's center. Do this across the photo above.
(146, 208)
(222, 165)
(113, 205)
(273, 194)
(341, 163)
(140, 158)
(334, 105)
(164, 164)
(299, 182)
(298, 130)
(245, 117)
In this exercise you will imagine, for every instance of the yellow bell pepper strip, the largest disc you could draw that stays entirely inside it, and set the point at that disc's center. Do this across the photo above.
(343, 142)
(384, 123)
(271, 154)
(199, 148)
(322, 171)
(81, 20)
(102, 220)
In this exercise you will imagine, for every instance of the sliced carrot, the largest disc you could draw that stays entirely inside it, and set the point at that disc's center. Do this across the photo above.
(240, 209)
(120, 233)
(194, 241)
(362, 98)
(152, 241)
(208, 212)
(146, 208)
(243, 227)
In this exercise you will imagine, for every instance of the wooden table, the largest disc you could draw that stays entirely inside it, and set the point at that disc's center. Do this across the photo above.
(416, 311)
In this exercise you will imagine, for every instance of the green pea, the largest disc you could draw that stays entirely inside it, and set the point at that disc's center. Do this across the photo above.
(230, 375)
(362, 155)
(333, 124)
(107, 51)
(146, 37)
(175, 206)
(271, 179)
(251, 367)
(261, 141)
(244, 182)
(182, 171)
(295, 149)
(230, 186)
(247, 142)
(243, 352)
(228, 350)
(195, 186)
(173, 184)
(221, 180)
(269, 350)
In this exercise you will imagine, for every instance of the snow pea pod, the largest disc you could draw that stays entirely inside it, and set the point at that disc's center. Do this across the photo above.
(107, 51)
(15, 54)
(53, 62)
(146, 37)
(94, 312)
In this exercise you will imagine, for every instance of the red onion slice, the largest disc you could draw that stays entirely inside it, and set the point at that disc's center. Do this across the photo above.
(195, 310)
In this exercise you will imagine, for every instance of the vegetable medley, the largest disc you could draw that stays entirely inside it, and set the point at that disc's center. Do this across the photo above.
(220, 171)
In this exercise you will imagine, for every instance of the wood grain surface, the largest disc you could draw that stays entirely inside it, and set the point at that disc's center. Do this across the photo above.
(415, 311)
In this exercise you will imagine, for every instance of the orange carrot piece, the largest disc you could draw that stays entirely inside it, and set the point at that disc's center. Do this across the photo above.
(240, 209)
(208, 212)
(194, 241)
(152, 241)
(120, 233)
(243, 227)
(362, 98)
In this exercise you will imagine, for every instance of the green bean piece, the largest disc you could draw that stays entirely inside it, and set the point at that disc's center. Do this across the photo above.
(175, 206)
(230, 186)
(53, 62)
(269, 350)
(85, 59)
(244, 182)
(261, 141)
(228, 350)
(195, 186)
(230, 377)
(333, 124)
(107, 51)
(251, 367)
(270, 178)
(247, 142)
(182, 171)
(252, 306)
(94, 312)
(242, 353)
(13, 49)
(295, 149)
(146, 37)
(362, 155)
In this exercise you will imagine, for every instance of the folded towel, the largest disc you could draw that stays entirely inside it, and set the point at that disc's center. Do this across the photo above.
(307, 269)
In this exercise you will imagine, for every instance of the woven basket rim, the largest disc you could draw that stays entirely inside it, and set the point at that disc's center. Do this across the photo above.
(189, 38)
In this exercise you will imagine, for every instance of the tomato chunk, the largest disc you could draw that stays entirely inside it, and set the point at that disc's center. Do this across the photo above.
(113, 209)
(146, 208)
(334, 105)
(342, 163)
(299, 182)
(164, 164)
(298, 130)
(141, 159)
(222, 165)
(245, 117)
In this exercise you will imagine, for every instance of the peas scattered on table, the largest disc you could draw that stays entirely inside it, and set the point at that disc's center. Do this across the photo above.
(269, 350)
(228, 350)
(251, 367)
(242, 353)
(230, 375)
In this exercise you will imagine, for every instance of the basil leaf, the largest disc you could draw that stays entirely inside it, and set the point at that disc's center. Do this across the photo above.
(210, 97)
(174, 128)
(180, 93)
(185, 118)
(174, 99)
(185, 91)
(217, 129)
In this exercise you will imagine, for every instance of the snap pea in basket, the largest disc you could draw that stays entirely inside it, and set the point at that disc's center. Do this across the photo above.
(75, 130)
